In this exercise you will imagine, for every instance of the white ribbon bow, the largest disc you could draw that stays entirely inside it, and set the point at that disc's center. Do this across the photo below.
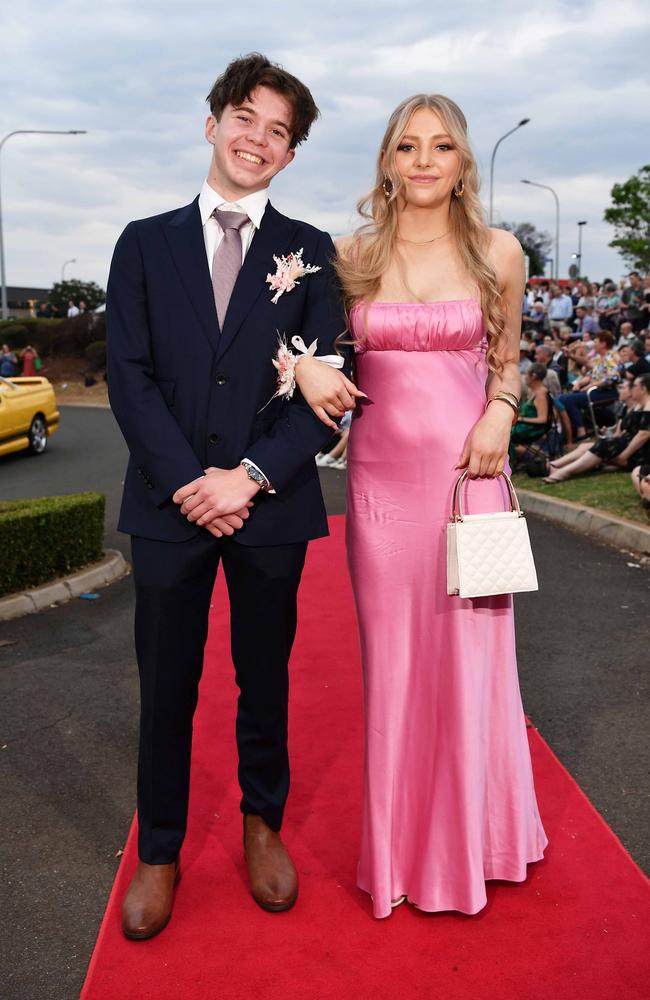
(333, 360)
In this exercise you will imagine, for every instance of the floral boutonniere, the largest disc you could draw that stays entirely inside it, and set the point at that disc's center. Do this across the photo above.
(288, 272)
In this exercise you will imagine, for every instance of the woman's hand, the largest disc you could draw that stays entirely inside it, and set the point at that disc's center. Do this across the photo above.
(486, 446)
(326, 389)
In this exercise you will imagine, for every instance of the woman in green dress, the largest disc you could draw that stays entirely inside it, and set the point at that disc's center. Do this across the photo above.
(533, 413)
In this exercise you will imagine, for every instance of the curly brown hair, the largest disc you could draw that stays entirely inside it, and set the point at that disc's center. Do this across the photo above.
(243, 75)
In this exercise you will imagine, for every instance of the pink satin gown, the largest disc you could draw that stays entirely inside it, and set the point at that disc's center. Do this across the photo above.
(449, 799)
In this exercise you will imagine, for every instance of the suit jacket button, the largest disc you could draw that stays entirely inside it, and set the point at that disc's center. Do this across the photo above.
(220, 378)
(214, 439)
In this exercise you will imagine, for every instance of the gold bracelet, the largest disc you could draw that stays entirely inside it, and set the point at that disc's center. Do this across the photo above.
(504, 392)
(509, 396)
(503, 399)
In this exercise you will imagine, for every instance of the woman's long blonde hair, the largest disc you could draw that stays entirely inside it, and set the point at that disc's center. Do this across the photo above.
(360, 269)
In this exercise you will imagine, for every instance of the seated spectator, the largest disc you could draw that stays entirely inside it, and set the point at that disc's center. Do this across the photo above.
(544, 356)
(586, 322)
(629, 445)
(537, 320)
(589, 345)
(565, 335)
(646, 341)
(560, 362)
(625, 334)
(586, 298)
(533, 418)
(608, 307)
(641, 482)
(603, 375)
(525, 361)
(577, 356)
(624, 357)
(8, 362)
(638, 365)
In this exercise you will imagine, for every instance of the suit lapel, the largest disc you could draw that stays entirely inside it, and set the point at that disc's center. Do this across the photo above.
(273, 237)
(184, 235)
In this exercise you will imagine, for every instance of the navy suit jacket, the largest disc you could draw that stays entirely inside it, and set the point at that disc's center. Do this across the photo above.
(188, 395)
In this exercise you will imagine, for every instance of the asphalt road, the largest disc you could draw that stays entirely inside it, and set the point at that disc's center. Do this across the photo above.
(69, 697)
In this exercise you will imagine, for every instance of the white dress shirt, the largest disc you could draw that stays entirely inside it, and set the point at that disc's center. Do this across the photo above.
(254, 205)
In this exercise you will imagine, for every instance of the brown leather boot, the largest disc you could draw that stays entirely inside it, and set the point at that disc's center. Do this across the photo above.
(273, 878)
(147, 906)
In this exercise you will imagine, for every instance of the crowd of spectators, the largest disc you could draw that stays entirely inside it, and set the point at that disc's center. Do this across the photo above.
(585, 366)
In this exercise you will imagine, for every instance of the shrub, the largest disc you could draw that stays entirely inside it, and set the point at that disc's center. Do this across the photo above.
(40, 332)
(58, 337)
(96, 355)
(17, 336)
(47, 537)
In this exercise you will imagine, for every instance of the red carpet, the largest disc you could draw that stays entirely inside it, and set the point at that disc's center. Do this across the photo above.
(576, 930)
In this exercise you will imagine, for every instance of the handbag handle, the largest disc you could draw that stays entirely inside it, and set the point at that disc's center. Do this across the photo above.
(456, 505)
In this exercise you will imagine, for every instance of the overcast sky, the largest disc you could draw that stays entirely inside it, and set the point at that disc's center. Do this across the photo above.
(136, 76)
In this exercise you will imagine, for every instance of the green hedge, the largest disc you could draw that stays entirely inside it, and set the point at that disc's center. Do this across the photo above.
(54, 338)
(47, 537)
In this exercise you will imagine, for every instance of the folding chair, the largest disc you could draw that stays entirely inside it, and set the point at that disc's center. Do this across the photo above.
(605, 409)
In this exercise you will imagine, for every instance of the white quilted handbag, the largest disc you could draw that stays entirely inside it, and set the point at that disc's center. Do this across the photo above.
(488, 554)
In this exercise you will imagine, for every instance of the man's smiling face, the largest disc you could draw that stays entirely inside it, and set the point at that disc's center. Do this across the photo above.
(251, 143)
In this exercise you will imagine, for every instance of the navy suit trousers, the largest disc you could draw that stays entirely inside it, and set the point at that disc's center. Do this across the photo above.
(174, 583)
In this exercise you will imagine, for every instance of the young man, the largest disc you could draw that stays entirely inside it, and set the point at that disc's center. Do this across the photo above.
(192, 332)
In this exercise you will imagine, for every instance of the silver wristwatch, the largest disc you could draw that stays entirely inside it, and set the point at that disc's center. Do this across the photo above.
(254, 473)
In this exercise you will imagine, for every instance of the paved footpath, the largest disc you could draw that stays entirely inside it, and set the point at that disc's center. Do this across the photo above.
(68, 713)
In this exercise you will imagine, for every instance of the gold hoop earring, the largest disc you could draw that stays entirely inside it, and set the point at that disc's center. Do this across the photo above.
(387, 191)
(459, 192)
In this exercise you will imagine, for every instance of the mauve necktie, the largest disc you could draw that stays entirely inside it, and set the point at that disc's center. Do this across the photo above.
(227, 259)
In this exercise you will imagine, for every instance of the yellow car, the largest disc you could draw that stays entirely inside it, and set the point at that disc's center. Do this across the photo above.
(28, 414)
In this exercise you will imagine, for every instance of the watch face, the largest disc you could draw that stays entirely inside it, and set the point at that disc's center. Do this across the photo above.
(253, 474)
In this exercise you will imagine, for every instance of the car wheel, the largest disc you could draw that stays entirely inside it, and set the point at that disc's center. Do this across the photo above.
(38, 436)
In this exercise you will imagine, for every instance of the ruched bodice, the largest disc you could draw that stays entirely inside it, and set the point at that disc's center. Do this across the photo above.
(450, 325)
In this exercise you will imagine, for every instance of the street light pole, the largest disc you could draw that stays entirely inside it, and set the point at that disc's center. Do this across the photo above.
(557, 223)
(73, 260)
(580, 225)
(524, 121)
(4, 310)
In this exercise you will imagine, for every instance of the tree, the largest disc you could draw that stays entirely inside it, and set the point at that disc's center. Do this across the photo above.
(535, 244)
(630, 216)
(65, 291)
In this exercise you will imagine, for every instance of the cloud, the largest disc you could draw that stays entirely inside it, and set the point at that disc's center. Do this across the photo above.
(136, 76)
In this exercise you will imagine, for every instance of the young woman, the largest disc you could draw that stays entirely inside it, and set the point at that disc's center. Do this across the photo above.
(434, 302)
(29, 358)
(629, 445)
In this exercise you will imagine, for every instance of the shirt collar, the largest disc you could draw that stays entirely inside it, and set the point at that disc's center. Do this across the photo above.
(254, 205)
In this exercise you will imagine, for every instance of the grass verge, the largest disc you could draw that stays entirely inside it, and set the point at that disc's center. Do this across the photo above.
(610, 492)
